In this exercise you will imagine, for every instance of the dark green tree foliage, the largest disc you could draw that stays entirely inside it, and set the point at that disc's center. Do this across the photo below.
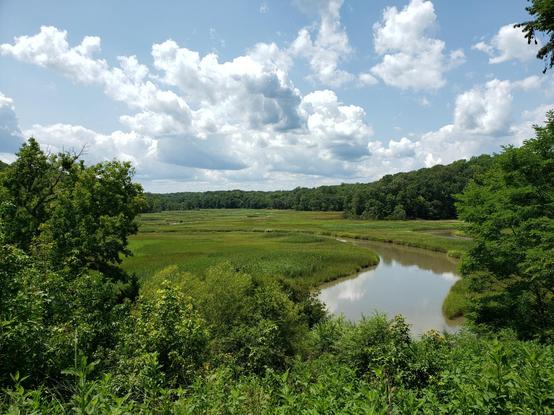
(422, 194)
(542, 12)
(77, 216)
(509, 212)
(63, 227)
(254, 323)
(2, 165)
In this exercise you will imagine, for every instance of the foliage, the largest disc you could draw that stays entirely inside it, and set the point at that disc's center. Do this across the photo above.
(455, 304)
(76, 217)
(63, 227)
(543, 23)
(461, 374)
(424, 194)
(510, 214)
(255, 323)
(45, 315)
(162, 344)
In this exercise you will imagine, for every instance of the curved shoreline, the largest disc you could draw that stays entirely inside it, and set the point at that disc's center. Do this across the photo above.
(456, 318)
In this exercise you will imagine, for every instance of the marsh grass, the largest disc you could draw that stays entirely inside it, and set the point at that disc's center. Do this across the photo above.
(271, 243)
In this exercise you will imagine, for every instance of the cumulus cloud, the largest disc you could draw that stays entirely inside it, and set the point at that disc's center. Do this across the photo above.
(252, 88)
(10, 135)
(524, 130)
(128, 146)
(328, 48)
(482, 123)
(367, 79)
(395, 149)
(241, 121)
(412, 59)
(199, 118)
(508, 44)
(485, 110)
(339, 130)
(127, 83)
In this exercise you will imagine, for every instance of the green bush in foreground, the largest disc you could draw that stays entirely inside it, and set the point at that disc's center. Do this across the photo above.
(370, 367)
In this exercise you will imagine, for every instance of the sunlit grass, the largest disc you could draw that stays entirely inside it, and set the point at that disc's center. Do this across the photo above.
(273, 243)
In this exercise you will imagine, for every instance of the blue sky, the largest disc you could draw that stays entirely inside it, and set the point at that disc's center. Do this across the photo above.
(268, 94)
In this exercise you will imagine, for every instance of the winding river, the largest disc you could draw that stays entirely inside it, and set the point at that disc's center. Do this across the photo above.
(408, 281)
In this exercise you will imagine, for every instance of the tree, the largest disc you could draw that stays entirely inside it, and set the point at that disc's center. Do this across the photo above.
(76, 216)
(543, 22)
(63, 228)
(510, 215)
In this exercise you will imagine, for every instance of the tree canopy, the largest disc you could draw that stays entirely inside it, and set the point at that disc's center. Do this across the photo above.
(77, 216)
(542, 12)
(422, 194)
(509, 213)
(63, 227)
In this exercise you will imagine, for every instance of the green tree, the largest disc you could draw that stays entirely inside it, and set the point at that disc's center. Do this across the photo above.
(76, 216)
(510, 215)
(63, 227)
(543, 13)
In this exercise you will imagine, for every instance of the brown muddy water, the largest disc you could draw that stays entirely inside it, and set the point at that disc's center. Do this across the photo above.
(408, 281)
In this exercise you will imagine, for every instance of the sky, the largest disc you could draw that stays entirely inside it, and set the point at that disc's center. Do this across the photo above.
(265, 95)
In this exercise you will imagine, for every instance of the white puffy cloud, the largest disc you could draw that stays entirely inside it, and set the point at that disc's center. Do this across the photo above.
(10, 135)
(339, 130)
(328, 48)
(50, 49)
(485, 110)
(196, 118)
(412, 59)
(524, 130)
(242, 123)
(508, 44)
(127, 83)
(529, 83)
(251, 89)
(482, 123)
(395, 149)
(96, 147)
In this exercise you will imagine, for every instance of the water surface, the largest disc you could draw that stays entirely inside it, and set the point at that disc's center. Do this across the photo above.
(408, 281)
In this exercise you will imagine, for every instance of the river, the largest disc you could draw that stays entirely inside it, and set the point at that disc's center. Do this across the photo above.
(408, 281)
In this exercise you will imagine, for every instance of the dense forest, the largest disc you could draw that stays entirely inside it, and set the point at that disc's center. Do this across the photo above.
(427, 193)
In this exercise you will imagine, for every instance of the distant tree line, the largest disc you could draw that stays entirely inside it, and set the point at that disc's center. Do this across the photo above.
(422, 194)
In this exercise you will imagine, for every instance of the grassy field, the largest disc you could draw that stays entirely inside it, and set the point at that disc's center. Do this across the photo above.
(297, 245)
(435, 235)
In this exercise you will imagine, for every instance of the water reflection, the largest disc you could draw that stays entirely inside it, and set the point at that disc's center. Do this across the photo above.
(408, 281)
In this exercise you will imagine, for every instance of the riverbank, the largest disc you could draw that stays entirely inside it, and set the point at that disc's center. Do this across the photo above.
(285, 244)
(411, 282)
